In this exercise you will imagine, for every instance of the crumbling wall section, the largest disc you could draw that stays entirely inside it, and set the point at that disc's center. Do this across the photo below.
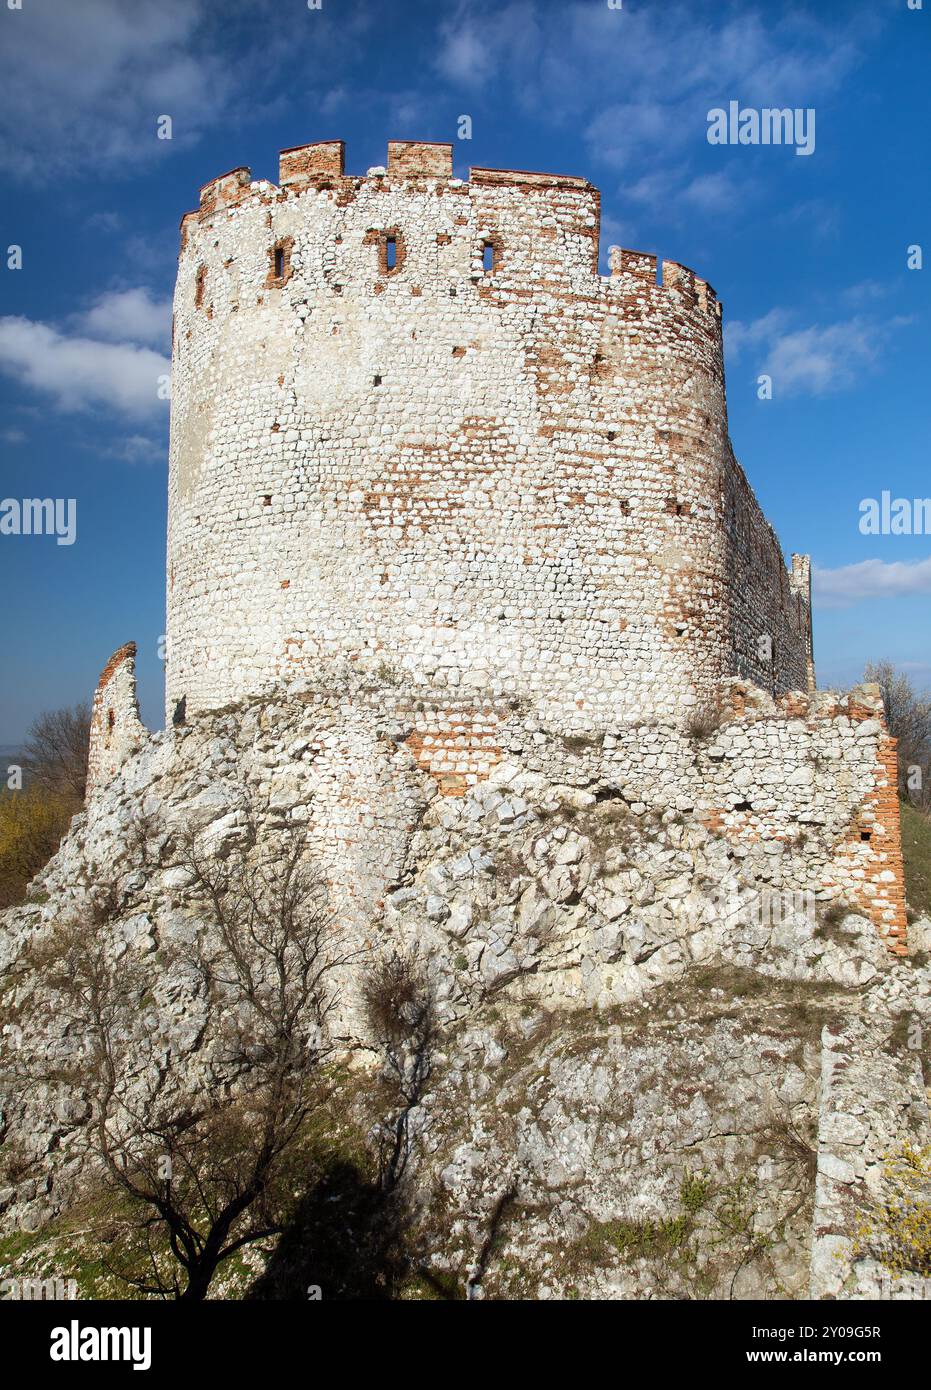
(116, 729)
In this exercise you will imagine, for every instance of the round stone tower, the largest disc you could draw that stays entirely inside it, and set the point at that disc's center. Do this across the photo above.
(415, 433)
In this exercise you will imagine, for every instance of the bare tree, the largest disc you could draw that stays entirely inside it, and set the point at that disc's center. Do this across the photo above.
(908, 716)
(400, 1012)
(207, 1169)
(55, 754)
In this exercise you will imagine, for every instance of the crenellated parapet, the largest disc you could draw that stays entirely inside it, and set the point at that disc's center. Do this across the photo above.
(639, 266)
(319, 167)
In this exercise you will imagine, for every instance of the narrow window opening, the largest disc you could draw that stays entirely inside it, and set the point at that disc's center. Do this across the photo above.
(866, 836)
(279, 263)
(267, 500)
(376, 380)
(488, 257)
(199, 281)
(391, 252)
(111, 720)
(741, 806)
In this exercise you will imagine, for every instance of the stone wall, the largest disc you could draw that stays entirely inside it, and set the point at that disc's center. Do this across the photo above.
(116, 730)
(804, 786)
(508, 480)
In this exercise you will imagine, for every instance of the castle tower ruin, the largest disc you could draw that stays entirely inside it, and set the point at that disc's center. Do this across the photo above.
(413, 429)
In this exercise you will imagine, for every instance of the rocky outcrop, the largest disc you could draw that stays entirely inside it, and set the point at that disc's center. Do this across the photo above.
(670, 1058)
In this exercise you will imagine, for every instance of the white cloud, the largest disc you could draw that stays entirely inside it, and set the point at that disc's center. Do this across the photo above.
(104, 221)
(476, 44)
(464, 56)
(653, 190)
(815, 215)
(865, 292)
(652, 71)
(814, 360)
(740, 337)
(819, 360)
(80, 373)
(838, 588)
(138, 449)
(84, 83)
(622, 131)
(132, 316)
(718, 192)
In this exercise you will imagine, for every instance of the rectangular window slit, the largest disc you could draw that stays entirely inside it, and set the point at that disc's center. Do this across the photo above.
(488, 257)
(391, 252)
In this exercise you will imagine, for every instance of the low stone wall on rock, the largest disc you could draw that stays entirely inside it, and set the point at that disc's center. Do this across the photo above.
(810, 778)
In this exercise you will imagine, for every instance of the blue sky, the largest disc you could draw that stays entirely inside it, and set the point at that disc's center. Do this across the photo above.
(808, 254)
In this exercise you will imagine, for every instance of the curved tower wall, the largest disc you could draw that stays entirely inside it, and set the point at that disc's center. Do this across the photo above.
(513, 481)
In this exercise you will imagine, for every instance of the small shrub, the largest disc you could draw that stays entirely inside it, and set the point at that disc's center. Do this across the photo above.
(897, 1230)
(396, 1000)
(703, 721)
(833, 914)
(694, 1191)
(386, 674)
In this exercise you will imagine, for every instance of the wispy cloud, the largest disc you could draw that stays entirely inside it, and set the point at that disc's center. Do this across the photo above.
(81, 373)
(138, 449)
(864, 292)
(639, 82)
(718, 192)
(813, 360)
(839, 588)
(815, 215)
(477, 43)
(85, 83)
(646, 76)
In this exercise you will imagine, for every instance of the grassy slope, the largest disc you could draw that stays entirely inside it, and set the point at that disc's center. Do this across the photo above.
(916, 846)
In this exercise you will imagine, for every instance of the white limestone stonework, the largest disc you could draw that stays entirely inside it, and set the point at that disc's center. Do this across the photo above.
(504, 481)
